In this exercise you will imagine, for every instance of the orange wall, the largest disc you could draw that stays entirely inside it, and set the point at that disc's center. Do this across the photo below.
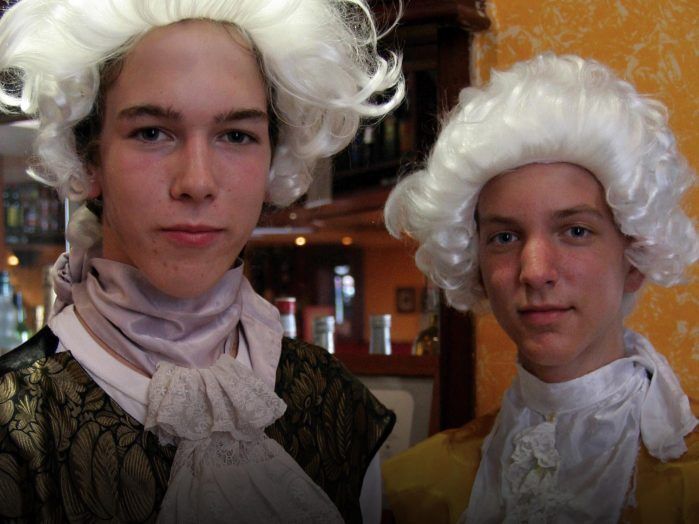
(654, 45)
(385, 269)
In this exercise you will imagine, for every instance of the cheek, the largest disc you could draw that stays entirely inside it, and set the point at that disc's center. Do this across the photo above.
(241, 203)
(252, 185)
(497, 277)
(600, 279)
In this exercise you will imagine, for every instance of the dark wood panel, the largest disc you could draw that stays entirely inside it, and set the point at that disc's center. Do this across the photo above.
(468, 14)
(394, 365)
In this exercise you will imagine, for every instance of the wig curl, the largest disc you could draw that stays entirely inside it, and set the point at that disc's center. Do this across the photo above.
(544, 110)
(319, 58)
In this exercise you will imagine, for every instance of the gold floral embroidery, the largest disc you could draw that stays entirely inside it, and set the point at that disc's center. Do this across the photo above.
(8, 389)
(68, 452)
(332, 426)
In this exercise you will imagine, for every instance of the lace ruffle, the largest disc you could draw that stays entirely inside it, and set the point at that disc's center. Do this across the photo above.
(220, 480)
(226, 469)
(533, 475)
(194, 403)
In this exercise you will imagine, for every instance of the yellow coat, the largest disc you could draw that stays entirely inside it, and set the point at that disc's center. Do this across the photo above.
(431, 482)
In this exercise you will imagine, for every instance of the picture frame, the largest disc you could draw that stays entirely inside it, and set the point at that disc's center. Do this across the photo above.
(406, 300)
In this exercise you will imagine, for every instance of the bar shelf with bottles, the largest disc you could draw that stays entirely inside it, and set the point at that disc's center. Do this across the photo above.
(33, 215)
(33, 238)
(380, 148)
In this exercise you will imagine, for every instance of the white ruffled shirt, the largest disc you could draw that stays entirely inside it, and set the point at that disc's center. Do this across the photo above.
(134, 392)
(566, 452)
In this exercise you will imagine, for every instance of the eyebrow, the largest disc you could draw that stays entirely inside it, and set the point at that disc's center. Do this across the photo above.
(149, 110)
(168, 113)
(580, 210)
(584, 210)
(241, 114)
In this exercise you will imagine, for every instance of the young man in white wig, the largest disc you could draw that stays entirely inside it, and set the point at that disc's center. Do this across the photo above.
(551, 195)
(162, 388)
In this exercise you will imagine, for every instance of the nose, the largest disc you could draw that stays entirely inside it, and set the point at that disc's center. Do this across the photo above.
(194, 174)
(539, 266)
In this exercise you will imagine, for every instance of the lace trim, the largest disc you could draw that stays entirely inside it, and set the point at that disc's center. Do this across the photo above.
(192, 404)
(226, 469)
(533, 475)
(221, 480)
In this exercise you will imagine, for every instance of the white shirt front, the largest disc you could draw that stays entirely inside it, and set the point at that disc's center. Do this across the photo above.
(566, 452)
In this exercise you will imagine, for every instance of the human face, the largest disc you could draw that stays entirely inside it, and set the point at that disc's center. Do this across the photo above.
(553, 267)
(184, 156)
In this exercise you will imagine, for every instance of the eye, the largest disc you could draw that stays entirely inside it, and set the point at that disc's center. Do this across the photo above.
(238, 137)
(149, 134)
(578, 232)
(503, 238)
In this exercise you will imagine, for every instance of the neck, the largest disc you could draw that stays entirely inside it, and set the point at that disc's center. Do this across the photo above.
(597, 354)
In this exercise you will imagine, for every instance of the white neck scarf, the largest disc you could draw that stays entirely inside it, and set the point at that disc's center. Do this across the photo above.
(566, 452)
(138, 321)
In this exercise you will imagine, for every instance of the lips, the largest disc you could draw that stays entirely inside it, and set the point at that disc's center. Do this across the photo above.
(192, 235)
(543, 315)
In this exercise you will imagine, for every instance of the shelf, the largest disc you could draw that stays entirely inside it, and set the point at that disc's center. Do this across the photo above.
(380, 173)
(466, 14)
(394, 365)
(368, 200)
(33, 240)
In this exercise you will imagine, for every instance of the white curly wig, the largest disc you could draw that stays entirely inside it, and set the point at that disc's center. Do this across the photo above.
(319, 58)
(548, 109)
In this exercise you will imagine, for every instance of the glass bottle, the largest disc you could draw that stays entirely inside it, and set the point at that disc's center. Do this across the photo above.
(22, 328)
(427, 340)
(287, 314)
(8, 315)
(324, 332)
(380, 342)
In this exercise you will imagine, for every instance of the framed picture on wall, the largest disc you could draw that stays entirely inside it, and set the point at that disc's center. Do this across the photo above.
(406, 298)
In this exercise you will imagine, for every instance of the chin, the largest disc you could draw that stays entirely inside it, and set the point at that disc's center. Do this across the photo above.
(547, 355)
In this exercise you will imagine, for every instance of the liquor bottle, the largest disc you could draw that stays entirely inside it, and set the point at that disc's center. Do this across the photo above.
(324, 332)
(7, 206)
(22, 328)
(287, 314)
(30, 208)
(14, 212)
(427, 340)
(39, 317)
(380, 342)
(49, 295)
(44, 207)
(8, 315)
(389, 135)
(368, 145)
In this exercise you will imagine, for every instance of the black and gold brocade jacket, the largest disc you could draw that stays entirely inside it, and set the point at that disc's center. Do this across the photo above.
(69, 453)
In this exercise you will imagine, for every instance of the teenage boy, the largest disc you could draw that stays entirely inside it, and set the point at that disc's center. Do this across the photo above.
(551, 195)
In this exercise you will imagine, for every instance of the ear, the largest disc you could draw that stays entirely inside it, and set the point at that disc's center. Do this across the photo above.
(634, 280)
(94, 182)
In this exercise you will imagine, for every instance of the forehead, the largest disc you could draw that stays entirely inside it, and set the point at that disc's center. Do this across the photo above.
(542, 190)
(190, 59)
(208, 32)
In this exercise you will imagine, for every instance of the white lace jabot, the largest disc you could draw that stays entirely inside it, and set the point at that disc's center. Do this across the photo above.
(226, 469)
(566, 452)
